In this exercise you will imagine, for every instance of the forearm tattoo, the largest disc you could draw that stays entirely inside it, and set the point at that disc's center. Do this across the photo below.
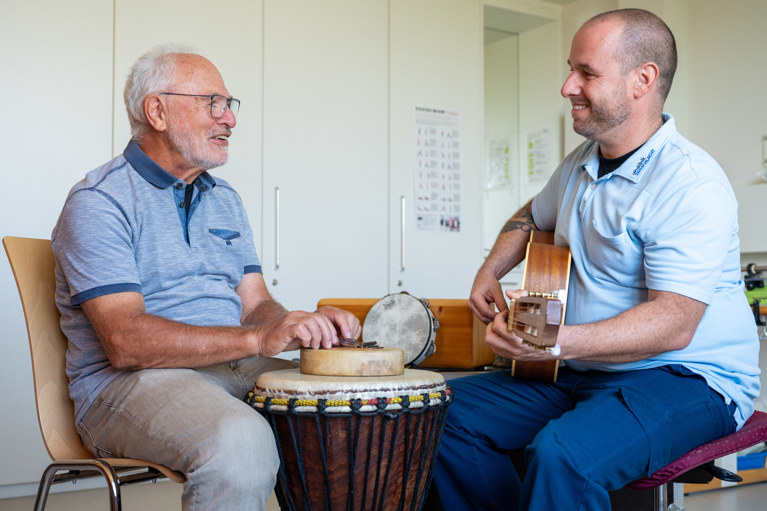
(522, 221)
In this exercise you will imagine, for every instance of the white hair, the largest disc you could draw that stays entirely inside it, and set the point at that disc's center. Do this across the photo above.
(152, 73)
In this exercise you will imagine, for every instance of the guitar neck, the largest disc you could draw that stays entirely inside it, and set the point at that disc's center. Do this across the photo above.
(547, 272)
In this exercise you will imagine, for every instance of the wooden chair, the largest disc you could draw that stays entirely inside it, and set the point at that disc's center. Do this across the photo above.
(33, 266)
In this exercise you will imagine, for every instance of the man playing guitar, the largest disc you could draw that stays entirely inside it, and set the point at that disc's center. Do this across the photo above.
(659, 345)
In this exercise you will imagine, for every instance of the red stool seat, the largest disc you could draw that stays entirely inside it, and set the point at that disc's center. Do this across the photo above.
(754, 431)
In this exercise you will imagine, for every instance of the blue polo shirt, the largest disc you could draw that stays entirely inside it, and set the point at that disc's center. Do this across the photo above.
(666, 219)
(125, 228)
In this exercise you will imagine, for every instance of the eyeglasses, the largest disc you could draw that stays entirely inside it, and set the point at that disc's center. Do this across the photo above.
(218, 104)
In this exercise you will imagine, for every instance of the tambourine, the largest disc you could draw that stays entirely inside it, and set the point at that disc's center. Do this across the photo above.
(402, 321)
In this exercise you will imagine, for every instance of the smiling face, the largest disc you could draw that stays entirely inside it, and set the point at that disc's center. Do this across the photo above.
(596, 87)
(192, 132)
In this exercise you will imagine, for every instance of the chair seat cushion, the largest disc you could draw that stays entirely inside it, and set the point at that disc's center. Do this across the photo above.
(754, 431)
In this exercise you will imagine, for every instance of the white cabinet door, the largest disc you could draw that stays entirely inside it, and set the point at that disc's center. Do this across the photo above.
(325, 183)
(436, 62)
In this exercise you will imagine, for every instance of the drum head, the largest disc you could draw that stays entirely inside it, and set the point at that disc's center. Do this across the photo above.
(401, 321)
(353, 361)
(289, 384)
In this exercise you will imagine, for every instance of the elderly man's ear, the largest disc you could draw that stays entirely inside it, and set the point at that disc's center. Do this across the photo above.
(155, 113)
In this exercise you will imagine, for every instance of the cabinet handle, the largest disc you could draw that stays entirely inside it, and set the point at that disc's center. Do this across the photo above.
(277, 228)
(764, 153)
(402, 233)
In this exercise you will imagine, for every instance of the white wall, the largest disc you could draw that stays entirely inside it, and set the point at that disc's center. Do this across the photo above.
(501, 121)
(58, 123)
(728, 113)
(541, 105)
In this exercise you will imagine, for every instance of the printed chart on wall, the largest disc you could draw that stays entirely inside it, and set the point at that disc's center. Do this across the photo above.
(437, 169)
(538, 150)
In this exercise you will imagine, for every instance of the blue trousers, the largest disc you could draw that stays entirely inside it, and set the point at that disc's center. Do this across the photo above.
(583, 436)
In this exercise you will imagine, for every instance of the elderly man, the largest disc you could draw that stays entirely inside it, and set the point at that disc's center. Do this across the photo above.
(660, 347)
(162, 298)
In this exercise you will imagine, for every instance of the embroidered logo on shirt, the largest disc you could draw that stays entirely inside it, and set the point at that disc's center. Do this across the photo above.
(643, 162)
(228, 236)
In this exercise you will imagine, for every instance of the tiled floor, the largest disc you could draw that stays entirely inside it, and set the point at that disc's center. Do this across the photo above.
(166, 497)
(751, 497)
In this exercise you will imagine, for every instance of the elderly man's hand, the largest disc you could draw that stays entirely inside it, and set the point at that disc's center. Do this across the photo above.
(300, 329)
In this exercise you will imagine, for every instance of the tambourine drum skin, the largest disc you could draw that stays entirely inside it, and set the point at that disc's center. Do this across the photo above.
(353, 443)
(402, 321)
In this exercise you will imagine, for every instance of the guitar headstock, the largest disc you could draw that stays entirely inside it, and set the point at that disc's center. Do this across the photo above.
(536, 318)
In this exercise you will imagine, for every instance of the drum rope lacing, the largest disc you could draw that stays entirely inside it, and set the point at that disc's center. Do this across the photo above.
(253, 398)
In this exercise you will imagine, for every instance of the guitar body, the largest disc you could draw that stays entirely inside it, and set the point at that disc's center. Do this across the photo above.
(547, 271)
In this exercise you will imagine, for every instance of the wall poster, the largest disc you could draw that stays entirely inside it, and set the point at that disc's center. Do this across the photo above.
(539, 145)
(437, 169)
(498, 163)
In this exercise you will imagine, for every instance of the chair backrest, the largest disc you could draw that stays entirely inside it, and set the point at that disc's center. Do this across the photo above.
(33, 268)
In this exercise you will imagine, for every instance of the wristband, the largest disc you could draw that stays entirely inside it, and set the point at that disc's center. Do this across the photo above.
(555, 350)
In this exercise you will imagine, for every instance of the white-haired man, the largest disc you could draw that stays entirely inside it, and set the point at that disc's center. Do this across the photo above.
(162, 298)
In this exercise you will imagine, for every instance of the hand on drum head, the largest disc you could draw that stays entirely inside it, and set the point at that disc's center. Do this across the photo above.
(486, 299)
(300, 329)
(346, 324)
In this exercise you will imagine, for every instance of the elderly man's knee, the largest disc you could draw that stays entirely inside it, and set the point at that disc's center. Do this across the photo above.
(242, 448)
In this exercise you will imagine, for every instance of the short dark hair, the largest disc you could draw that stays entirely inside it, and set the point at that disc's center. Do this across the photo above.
(645, 38)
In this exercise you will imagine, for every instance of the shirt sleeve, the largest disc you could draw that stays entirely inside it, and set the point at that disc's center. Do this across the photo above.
(690, 239)
(93, 247)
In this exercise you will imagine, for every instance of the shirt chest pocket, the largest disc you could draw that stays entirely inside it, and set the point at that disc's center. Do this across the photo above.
(614, 258)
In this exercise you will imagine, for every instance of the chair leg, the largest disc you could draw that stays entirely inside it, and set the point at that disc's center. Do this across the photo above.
(74, 468)
(668, 497)
(659, 498)
(45, 485)
(676, 500)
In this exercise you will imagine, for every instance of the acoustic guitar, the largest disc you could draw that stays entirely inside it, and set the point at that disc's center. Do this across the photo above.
(536, 318)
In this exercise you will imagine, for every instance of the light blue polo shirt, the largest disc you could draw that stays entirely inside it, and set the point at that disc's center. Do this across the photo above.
(124, 228)
(666, 220)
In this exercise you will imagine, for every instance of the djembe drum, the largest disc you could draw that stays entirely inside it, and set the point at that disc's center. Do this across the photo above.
(353, 442)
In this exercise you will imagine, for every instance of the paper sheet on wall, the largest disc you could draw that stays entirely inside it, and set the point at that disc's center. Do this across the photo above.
(437, 169)
(498, 163)
(538, 155)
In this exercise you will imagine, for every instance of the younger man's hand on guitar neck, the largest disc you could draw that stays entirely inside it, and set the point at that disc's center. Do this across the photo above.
(486, 299)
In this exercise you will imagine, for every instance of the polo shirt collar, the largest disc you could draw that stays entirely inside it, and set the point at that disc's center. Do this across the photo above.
(155, 174)
(634, 168)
